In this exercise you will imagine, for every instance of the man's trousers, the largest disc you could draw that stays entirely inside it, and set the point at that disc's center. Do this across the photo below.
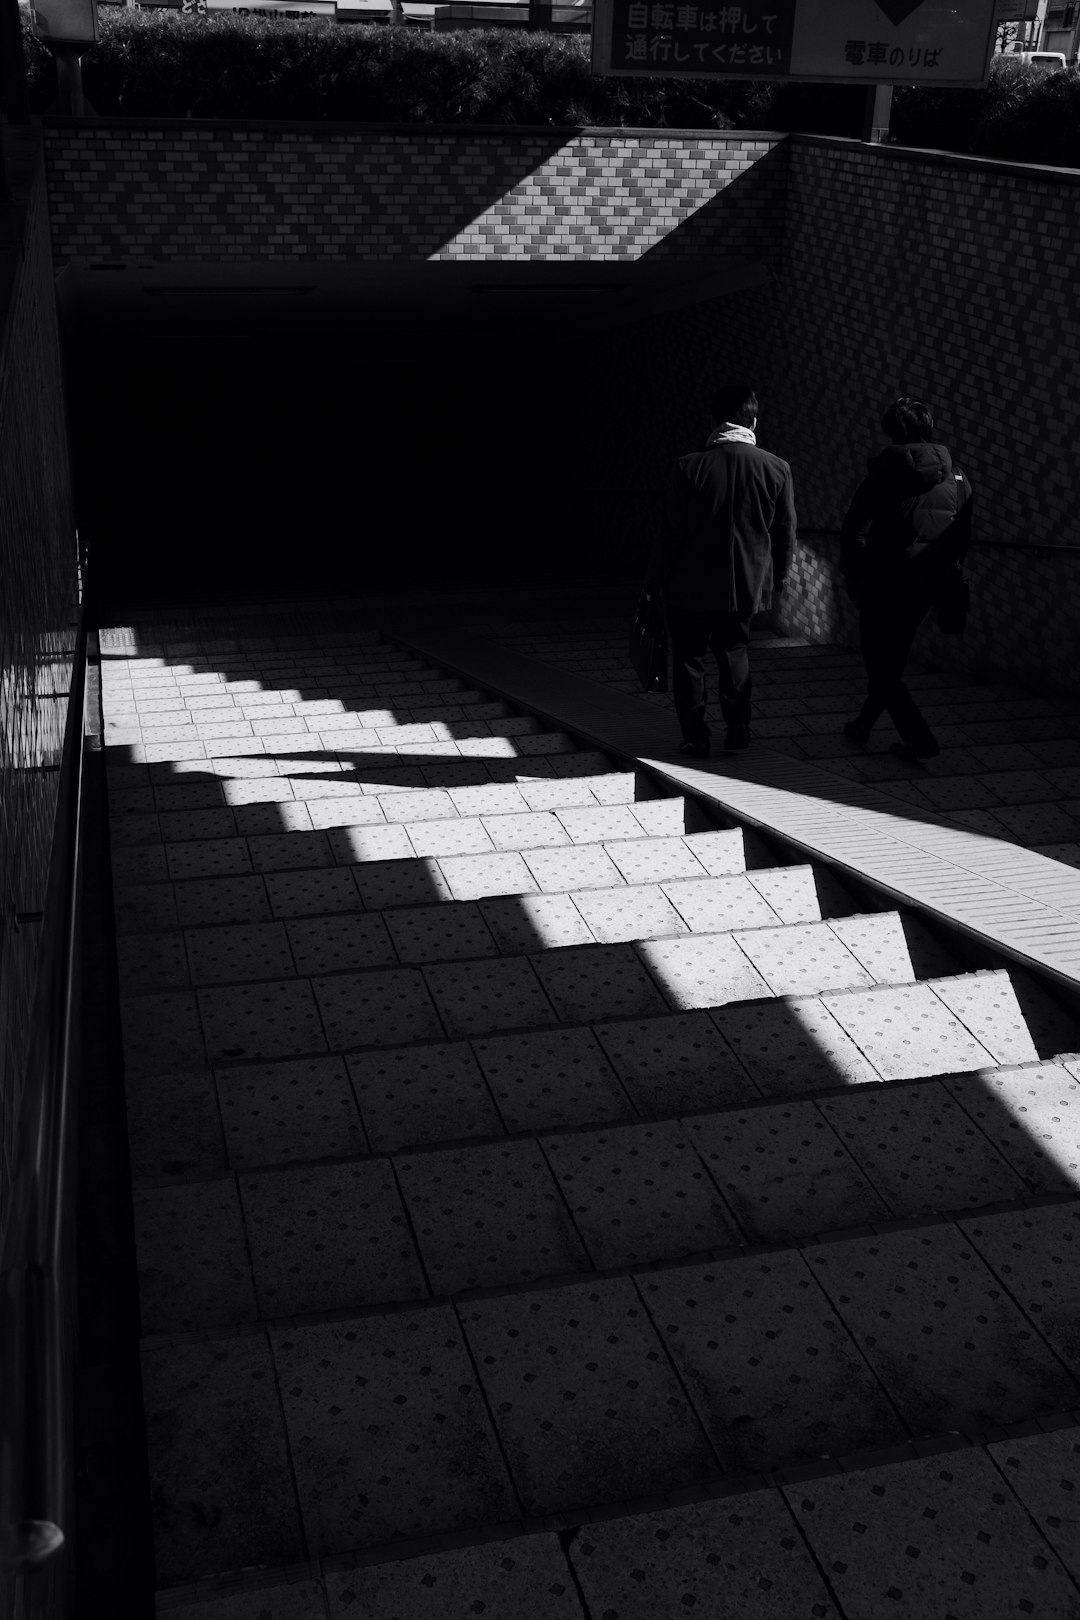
(886, 633)
(692, 634)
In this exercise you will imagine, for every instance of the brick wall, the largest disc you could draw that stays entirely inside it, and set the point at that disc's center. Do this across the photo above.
(198, 190)
(36, 639)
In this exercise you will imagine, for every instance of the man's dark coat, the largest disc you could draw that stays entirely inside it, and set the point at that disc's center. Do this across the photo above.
(728, 529)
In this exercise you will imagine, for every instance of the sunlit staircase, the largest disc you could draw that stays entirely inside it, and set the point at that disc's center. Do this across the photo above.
(552, 1203)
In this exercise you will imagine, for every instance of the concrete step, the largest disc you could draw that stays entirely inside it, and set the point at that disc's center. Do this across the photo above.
(434, 1419)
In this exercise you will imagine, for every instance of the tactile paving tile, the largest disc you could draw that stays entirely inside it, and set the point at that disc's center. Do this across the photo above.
(1033, 1115)
(789, 890)
(592, 824)
(180, 825)
(986, 1004)
(423, 804)
(773, 1375)
(346, 808)
(1044, 1471)
(704, 970)
(920, 1150)
(161, 1033)
(555, 794)
(220, 1477)
(207, 857)
(802, 959)
(719, 851)
(457, 836)
(1039, 823)
(222, 900)
(276, 1018)
(675, 1064)
(327, 1237)
(174, 1127)
(134, 829)
(141, 908)
(530, 829)
(935, 1324)
(728, 1560)
(388, 1430)
(906, 1032)
(326, 944)
(631, 911)
(147, 962)
(502, 994)
(879, 943)
(639, 1193)
(440, 933)
(529, 922)
(589, 982)
(661, 818)
(414, 882)
(784, 1172)
(307, 894)
(140, 863)
(267, 820)
(583, 763)
(489, 1216)
(235, 952)
(486, 799)
(410, 1096)
(1035, 1253)
(654, 860)
(587, 1405)
(192, 1254)
(714, 905)
(549, 1079)
(578, 866)
(254, 790)
(289, 852)
(277, 1112)
(525, 1577)
(934, 1536)
(377, 1008)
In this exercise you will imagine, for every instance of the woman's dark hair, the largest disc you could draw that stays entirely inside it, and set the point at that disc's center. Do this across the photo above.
(909, 421)
(734, 402)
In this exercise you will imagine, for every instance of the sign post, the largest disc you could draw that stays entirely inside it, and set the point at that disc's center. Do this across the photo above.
(67, 27)
(879, 43)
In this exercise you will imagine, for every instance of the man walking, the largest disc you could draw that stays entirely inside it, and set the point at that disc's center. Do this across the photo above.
(908, 524)
(729, 525)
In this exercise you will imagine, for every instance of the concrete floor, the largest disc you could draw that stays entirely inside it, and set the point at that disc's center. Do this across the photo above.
(555, 1198)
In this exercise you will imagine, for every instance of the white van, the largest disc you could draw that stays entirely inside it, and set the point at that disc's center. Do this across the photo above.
(1054, 61)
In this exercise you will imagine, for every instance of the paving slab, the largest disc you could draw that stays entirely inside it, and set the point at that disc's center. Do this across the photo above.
(736, 1559)
(149, 962)
(949, 1344)
(713, 905)
(587, 1405)
(174, 1126)
(161, 1033)
(639, 1193)
(328, 1237)
(277, 1112)
(986, 1004)
(544, 1080)
(141, 908)
(877, 941)
(208, 857)
(793, 1046)
(675, 1064)
(489, 1216)
(388, 1432)
(238, 952)
(526, 1577)
(907, 1031)
(376, 1008)
(784, 1172)
(628, 912)
(413, 882)
(298, 1600)
(502, 994)
(328, 944)
(1044, 1472)
(1034, 1253)
(1032, 1115)
(440, 933)
(222, 900)
(193, 1262)
(592, 982)
(703, 970)
(524, 923)
(802, 959)
(920, 1150)
(409, 1096)
(274, 1018)
(775, 1377)
(220, 1479)
(584, 866)
(933, 1536)
(311, 894)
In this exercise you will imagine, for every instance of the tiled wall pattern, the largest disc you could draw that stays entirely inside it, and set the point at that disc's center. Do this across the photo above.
(185, 190)
(36, 636)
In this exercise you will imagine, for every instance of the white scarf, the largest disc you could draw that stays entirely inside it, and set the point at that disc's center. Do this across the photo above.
(731, 433)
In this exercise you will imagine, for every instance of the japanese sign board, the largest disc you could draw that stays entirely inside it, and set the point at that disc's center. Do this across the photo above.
(845, 41)
(67, 22)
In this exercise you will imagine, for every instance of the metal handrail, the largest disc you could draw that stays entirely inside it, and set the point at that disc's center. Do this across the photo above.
(37, 1270)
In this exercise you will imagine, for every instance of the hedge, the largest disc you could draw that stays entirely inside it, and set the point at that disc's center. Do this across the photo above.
(173, 64)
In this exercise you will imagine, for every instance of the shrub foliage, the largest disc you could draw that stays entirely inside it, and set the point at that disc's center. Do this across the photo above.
(172, 64)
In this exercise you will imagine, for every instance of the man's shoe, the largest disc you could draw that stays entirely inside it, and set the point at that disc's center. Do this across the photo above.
(698, 750)
(738, 737)
(856, 732)
(912, 751)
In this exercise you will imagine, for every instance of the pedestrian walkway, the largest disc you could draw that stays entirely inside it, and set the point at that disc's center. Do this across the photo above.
(555, 1199)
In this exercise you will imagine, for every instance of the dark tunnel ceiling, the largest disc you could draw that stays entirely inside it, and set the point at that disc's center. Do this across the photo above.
(386, 306)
